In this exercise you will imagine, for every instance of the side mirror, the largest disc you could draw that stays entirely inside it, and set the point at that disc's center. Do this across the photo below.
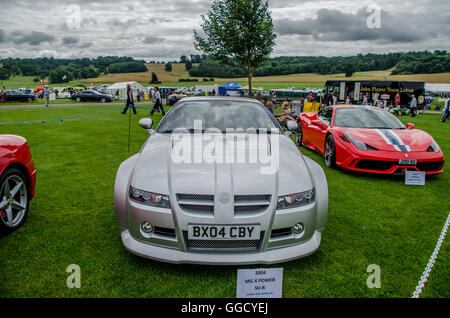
(146, 123)
(410, 126)
(292, 125)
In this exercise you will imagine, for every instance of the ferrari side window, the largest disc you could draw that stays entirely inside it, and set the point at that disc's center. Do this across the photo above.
(325, 116)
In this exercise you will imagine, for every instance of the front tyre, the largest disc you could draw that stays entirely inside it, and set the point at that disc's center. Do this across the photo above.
(14, 200)
(330, 152)
(78, 99)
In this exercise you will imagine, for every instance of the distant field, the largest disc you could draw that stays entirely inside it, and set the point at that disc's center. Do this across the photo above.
(266, 82)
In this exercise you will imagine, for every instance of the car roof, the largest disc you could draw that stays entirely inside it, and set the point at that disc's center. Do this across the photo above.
(219, 98)
(354, 106)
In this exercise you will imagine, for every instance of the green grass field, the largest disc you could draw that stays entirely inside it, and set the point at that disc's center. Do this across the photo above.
(371, 220)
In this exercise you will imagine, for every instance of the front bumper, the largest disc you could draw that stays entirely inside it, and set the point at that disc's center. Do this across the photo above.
(283, 254)
(387, 162)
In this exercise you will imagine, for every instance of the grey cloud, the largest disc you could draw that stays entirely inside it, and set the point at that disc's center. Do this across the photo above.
(85, 45)
(2, 36)
(33, 38)
(153, 39)
(334, 25)
(70, 40)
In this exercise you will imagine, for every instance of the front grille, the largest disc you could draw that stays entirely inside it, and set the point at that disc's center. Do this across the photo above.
(224, 245)
(249, 204)
(430, 166)
(375, 165)
(196, 203)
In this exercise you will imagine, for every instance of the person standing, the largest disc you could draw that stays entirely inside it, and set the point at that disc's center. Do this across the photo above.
(158, 103)
(365, 101)
(3, 94)
(130, 100)
(138, 95)
(347, 101)
(413, 106)
(446, 110)
(376, 97)
(397, 100)
(46, 95)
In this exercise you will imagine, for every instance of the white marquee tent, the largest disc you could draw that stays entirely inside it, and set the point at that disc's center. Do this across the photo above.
(438, 88)
(122, 88)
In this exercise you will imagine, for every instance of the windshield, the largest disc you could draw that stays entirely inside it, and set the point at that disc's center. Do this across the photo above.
(218, 114)
(366, 118)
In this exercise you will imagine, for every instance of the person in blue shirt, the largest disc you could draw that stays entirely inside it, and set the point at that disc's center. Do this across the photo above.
(446, 110)
(130, 101)
(269, 106)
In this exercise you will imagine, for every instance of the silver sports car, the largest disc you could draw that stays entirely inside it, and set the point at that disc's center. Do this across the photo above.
(219, 182)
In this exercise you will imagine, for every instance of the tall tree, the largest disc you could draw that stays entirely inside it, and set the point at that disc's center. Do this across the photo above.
(238, 33)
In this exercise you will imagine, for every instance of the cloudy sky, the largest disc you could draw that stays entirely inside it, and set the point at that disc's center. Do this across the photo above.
(162, 30)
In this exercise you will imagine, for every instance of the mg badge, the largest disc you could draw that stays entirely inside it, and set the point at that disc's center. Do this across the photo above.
(224, 197)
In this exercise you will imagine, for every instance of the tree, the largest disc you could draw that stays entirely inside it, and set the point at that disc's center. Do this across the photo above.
(183, 59)
(154, 79)
(168, 67)
(239, 33)
(188, 65)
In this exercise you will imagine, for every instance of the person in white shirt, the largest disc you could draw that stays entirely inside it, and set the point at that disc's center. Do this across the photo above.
(413, 106)
(446, 110)
(158, 103)
(46, 95)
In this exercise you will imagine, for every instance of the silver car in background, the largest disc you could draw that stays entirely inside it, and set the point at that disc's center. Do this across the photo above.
(174, 204)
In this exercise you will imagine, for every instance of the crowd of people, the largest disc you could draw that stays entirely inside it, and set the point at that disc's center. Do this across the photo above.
(155, 97)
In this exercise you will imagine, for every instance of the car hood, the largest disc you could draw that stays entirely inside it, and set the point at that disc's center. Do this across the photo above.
(156, 171)
(414, 140)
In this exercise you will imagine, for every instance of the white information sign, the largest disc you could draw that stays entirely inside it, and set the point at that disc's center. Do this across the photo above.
(260, 283)
(415, 178)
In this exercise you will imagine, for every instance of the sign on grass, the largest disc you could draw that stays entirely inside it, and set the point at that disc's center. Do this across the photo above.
(260, 283)
(415, 178)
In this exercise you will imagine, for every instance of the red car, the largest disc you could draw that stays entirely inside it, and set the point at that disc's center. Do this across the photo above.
(368, 139)
(17, 182)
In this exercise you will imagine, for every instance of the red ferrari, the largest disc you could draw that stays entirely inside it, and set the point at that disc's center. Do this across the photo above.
(368, 139)
(17, 182)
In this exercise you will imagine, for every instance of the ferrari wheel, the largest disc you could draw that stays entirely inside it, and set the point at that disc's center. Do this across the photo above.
(330, 152)
(399, 113)
(14, 200)
(103, 100)
(299, 136)
(78, 99)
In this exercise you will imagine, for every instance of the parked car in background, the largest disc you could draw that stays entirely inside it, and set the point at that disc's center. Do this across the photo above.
(174, 98)
(220, 212)
(17, 182)
(91, 96)
(18, 96)
(369, 139)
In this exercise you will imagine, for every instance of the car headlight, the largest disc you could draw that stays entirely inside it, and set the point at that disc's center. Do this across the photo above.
(434, 146)
(150, 198)
(359, 144)
(296, 199)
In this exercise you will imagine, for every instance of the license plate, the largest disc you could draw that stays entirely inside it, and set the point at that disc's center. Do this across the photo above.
(224, 232)
(407, 162)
